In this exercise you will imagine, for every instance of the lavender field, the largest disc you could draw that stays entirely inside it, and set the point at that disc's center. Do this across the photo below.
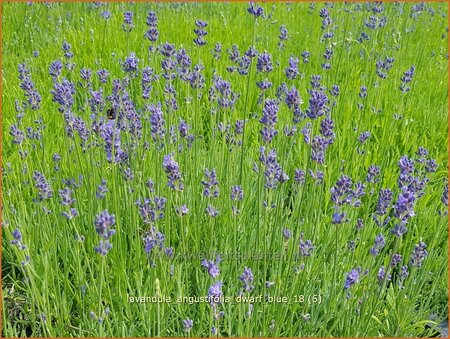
(224, 169)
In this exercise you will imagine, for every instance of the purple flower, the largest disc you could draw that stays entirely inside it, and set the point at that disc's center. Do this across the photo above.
(103, 223)
(17, 134)
(63, 94)
(236, 193)
(419, 254)
(44, 189)
(66, 196)
(157, 122)
(211, 266)
(286, 234)
(407, 78)
(381, 274)
(255, 10)
(299, 176)
(305, 247)
(103, 75)
(339, 218)
(273, 171)
(212, 211)
(215, 292)
(378, 245)
(200, 32)
(130, 65)
(396, 259)
(182, 210)
(55, 69)
(352, 278)
(211, 185)
(173, 173)
(317, 104)
(71, 214)
(363, 92)
(153, 239)
(17, 241)
(363, 137)
(372, 173)
(66, 48)
(269, 119)
(264, 63)
(105, 14)
(247, 279)
(283, 33)
(187, 324)
(292, 71)
(128, 25)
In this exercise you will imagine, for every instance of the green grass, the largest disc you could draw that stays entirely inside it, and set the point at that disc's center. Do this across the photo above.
(66, 279)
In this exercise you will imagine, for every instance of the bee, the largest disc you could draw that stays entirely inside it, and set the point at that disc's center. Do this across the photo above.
(111, 113)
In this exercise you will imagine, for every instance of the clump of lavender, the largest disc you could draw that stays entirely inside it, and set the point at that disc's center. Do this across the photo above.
(200, 32)
(152, 21)
(247, 279)
(212, 267)
(127, 24)
(406, 79)
(103, 223)
(173, 173)
(372, 174)
(269, 119)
